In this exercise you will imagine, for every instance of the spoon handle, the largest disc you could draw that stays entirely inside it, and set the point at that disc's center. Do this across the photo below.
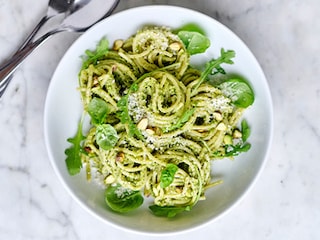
(8, 67)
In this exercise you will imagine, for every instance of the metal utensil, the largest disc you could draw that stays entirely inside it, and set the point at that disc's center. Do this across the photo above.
(55, 7)
(80, 18)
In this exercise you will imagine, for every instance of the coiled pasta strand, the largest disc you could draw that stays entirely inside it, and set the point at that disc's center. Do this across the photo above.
(156, 61)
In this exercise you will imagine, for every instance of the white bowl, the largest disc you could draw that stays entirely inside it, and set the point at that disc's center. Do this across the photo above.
(63, 109)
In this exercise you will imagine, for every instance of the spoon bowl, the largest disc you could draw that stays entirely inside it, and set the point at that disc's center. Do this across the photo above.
(82, 18)
(77, 4)
(55, 7)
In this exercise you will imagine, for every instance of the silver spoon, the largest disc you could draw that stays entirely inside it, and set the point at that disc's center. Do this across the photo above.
(80, 19)
(55, 7)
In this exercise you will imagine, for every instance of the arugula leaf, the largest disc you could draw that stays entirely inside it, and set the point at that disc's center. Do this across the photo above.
(93, 56)
(184, 118)
(167, 175)
(134, 87)
(106, 136)
(121, 199)
(125, 117)
(123, 109)
(98, 110)
(237, 149)
(73, 160)
(245, 129)
(242, 146)
(214, 66)
(168, 211)
(238, 91)
(194, 42)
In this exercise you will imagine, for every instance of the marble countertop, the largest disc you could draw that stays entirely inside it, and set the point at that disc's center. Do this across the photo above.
(285, 201)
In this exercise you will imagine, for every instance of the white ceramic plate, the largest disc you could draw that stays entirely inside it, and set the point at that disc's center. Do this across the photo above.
(63, 110)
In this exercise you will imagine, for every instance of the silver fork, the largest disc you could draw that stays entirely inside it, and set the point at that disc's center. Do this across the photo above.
(55, 7)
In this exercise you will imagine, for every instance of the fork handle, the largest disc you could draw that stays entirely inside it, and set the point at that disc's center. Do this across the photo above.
(5, 79)
(8, 67)
(34, 32)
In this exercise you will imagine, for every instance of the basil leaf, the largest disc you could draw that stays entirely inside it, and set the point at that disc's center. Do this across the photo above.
(106, 136)
(194, 42)
(190, 27)
(167, 175)
(238, 91)
(121, 199)
(98, 110)
(168, 211)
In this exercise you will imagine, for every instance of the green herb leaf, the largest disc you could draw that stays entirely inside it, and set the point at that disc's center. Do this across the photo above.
(125, 117)
(106, 136)
(184, 118)
(167, 175)
(93, 56)
(134, 87)
(242, 146)
(98, 110)
(245, 129)
(194, 42)
(123, 109)
(190, 27)
(168, 211)
(238, 91)
(214, 66)
(73, 160)
(122, 200)
(236, 150)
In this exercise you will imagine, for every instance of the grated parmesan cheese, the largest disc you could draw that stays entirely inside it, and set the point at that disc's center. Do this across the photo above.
(121, 192)
(220, 103)
(133, 106)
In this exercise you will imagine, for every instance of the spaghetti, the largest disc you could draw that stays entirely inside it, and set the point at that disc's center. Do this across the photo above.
(177, 122)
